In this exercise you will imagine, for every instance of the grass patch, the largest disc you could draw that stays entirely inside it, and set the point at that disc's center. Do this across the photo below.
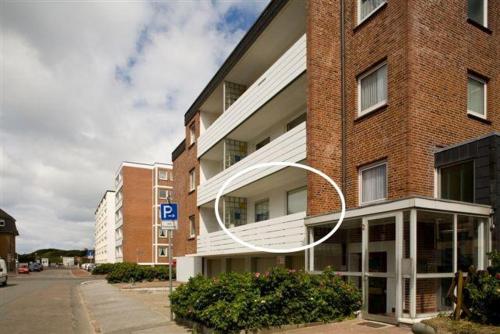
(444, 325)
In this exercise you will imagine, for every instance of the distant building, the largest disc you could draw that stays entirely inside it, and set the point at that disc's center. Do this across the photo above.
(45, 262)
(104, 233)
(68, 261)
(140, 189)
(8, 234)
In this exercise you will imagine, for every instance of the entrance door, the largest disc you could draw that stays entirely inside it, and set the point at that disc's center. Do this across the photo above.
(380, 284)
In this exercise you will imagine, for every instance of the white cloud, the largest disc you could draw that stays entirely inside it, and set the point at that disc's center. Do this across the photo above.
(66, 122)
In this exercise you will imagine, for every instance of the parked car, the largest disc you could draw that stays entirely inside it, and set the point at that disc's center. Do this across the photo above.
(3, 272)
(33, 266)
(90, 267)
(23, 268)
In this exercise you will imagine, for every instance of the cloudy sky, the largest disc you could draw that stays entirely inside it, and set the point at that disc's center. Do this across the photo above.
(85, 85)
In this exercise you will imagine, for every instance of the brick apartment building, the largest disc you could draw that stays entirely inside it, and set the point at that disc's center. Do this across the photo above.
(397, 102)
(8, 234)
(140, 189)
(104, 230)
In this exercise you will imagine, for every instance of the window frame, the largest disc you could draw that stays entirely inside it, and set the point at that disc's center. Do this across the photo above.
(264, 200)
(471, 76)
(160, 171)
(485, 14)
(166, 192)
(166, 251)
(363, 76)
(3, 223)
(160, 230)
(192, 180)
(192, 227)
(360, 181)
(292, 191)
(376, 9)
(192, 134)
(439, 171)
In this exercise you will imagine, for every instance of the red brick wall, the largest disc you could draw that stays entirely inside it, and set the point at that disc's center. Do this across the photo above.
(428, 47)
(137, 214)
(8, 246)
(187, 200)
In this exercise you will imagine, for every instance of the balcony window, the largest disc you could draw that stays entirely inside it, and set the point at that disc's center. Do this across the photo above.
(192, 180)
(477, 11)
(192, 134)
(476, 96)
(373, 183)
(302, 118)
(192, 227)
(296, 200)
(262, 210)
(234, 151)
(163, 175)
(372, 89)
(232, 92)
(262, 143)
(235, 211)
(457, 182)
(367, 7)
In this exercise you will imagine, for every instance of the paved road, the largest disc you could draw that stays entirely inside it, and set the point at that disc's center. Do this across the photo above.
(44, 302)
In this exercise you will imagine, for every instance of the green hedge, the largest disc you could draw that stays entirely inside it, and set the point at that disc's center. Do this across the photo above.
(232, 302)
(131, 272)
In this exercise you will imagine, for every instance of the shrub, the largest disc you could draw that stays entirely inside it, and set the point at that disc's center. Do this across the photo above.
(482, 297)
(232, 302)
(131, 272)
(103, 269)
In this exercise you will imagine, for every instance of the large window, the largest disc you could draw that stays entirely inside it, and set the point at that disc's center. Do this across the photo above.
(262, 210)
(476, 96)
(372, 89)
(467, 238)
(457, 182)
(434, 242)
(373, 183)
(367, 7)
(192, 180)
(477, 11)
(297, 200)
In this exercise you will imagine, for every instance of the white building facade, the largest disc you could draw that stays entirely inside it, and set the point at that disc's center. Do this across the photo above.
(104, 232)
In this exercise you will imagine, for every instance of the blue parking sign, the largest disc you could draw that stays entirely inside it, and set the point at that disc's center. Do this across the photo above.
(168, 211)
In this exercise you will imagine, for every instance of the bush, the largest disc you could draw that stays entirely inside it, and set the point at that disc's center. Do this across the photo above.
(233, 302)
(103, 269)
(482, 297)
(131, 272)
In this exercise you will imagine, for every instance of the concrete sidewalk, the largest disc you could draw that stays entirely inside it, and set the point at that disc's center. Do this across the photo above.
(112, 311)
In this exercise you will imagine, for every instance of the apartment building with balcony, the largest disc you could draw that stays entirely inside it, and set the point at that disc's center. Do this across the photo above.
(140, 189)
(396, 101)
(104, 229)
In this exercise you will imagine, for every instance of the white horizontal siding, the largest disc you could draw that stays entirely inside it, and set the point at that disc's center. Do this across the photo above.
(290, 147)
(286, 69)
(279, 233)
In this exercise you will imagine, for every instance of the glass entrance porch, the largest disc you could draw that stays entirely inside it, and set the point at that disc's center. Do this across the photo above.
(403, 255)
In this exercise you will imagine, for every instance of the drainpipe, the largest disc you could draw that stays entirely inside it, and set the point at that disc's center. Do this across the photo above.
(342, 96)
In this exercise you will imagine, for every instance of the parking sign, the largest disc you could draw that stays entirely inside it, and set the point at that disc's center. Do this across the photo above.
(168, 216)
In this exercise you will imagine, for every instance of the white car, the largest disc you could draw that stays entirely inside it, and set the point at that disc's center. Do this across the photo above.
(3, 272)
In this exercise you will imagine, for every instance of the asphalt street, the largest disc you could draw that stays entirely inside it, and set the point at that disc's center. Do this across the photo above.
(43, 302)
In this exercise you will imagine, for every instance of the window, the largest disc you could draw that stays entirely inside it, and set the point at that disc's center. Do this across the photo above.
(192, 180)
(476, 96)
(373, 183)
(163, 193)
(372, 89)
(162, 252)
(262, 210)
(367, 7)
(477, 11)
(457, 182)
(262, 143)
(296, 200)
(2, 223)
(192, 134)
(162, 233)
(296, 121)
(192, 227)
(163, 174)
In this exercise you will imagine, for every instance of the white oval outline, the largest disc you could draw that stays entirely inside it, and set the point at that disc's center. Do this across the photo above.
(286, 164)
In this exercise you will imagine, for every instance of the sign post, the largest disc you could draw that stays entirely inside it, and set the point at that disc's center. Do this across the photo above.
(168, 216)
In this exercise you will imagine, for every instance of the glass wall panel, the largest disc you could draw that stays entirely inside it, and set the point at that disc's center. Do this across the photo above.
(431, 295)
(342, 251)
(434, 242)
(467, 250)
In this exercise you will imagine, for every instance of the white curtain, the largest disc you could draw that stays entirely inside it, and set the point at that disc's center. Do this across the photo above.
(368, 6)
(374, 88)
(374, 184)
(475, 96)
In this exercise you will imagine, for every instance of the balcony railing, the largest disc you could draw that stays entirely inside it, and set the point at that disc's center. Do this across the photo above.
(280, 233)
(286, 69)
(290, 147)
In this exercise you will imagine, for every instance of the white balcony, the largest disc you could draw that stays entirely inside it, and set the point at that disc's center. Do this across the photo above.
(290, 147)
(283, 72)
(279, 233)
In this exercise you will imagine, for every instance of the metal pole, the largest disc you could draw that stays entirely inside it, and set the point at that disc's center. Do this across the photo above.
(170, 270)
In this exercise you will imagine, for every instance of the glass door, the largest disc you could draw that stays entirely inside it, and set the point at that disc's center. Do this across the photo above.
(381, 284)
